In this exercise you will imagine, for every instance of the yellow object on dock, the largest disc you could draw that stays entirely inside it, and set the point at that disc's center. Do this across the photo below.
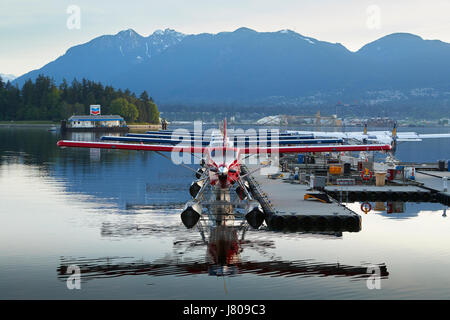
(335, 170)
(322, 197)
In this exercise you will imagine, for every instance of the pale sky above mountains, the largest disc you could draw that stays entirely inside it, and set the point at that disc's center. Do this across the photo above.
(33, 33)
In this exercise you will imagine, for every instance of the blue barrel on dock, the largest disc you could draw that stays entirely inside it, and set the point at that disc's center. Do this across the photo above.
(300, 158)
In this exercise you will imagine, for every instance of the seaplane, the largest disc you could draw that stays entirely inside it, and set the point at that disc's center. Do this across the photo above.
(221, 161)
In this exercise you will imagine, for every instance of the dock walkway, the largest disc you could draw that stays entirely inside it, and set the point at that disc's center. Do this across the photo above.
(434, 181)
(381, 193)
(285, 208)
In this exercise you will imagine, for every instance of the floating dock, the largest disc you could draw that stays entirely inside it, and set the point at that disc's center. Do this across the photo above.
(380, 193)
(434, 181)
(290, 204)
(285, 207)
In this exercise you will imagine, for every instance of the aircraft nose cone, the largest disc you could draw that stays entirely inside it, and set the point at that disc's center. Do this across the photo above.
(223, 172)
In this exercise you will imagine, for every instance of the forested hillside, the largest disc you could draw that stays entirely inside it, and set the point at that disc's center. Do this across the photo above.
(44, 100)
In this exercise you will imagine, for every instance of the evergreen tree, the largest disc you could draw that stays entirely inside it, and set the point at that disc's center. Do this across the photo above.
(43, 100)
(154, 114)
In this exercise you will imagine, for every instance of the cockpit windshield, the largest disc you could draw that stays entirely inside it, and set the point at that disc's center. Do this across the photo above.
(223, 155)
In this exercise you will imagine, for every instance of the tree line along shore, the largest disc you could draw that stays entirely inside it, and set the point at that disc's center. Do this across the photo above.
(44, 102)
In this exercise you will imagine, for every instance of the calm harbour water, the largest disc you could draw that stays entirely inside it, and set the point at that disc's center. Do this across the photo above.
(116, 215)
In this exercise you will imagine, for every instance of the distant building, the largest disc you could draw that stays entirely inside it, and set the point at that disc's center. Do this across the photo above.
(272, 120)
(380, 122)
(95, 123)
(317, 120)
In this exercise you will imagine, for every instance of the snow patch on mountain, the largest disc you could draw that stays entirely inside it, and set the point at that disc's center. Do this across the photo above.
(7, 77)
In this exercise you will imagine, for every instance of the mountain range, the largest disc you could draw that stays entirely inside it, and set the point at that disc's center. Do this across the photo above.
(254, 67)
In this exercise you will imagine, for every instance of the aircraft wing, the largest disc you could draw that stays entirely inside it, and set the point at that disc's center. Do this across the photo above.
(193, 149)
(237, 142)
(409, 140)
(130, 146)
(302, 149)
(413, 136)
(433, 135)
(379, 136)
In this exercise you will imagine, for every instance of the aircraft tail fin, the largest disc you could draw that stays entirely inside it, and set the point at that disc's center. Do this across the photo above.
(393, 146)
(394, 131)
(394, 138)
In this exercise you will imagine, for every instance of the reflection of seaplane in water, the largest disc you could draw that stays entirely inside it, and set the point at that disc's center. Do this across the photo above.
(224, 242)
(221, 160)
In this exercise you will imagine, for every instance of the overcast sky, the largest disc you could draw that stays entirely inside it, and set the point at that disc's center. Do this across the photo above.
(35, 32)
